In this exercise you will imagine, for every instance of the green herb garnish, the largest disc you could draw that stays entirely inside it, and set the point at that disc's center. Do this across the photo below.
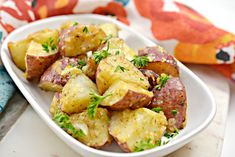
(171, 134)
(120, 68)
(141, 79)
(75, 23)
(85, 29)
(157, 109)
(81, 63)
(107, 38)
(174, 112)
(161, 80)
(49, 45)
(148, 144)
(63, 121)
(98, 56)
(95, 100)
(140, 61)
(117, 52)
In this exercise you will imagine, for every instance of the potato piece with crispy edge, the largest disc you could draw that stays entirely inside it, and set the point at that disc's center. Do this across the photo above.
(95, 129)
(160, 61)
(171, 99)
(125, 95)
(18, 51)
(56, 76)
(129, 127)
(117, 46)
(75, 95)
(110, 29)
(80, 39)
(38, 60)
(115, 68)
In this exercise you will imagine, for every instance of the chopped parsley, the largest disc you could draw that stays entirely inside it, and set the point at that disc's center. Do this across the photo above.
(157, 109)
(140, 61)
(141, 79)
(81, 63)
(117, 52)
(75, 23)
(120, 68)
(49, 45)
(98, 56)
(171, 134)
(174, 112)
(161, 80)
(85, 30)
(63, 121)
(95, 100)
(106, 38)
(148, 144)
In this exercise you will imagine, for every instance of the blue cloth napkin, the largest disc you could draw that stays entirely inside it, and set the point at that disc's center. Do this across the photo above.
(7, 88)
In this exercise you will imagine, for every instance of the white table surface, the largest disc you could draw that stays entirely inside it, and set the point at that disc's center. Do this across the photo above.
(220, 12)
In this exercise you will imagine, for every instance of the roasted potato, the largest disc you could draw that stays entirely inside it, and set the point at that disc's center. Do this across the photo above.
(110, 29)
(80, 39)
(117, 46)
(55, 104)
(57, 75)
(171, 99)
(18, 51)
(75, 95)
(160, 61)
(130, 127)
(152, 77)
(43, 36)
(126, 95)
(38, 60)
(115, 68)
(95, 129)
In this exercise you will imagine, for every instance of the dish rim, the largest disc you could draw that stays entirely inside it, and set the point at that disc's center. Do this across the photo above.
(61, 133)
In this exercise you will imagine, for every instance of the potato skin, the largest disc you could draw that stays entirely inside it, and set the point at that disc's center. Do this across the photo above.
(107, 73)
(37, 60)
(75, 95)
(170, 97)
(160, 61)
(75, 41)
(131, 126)
(125, 95)
(152, 77)
(96, 129)
(52, 79)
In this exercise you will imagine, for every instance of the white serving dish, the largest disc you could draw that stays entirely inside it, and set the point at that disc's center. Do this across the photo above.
(201, 104)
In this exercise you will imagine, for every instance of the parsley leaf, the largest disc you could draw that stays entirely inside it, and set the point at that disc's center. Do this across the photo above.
(107, 38)
(174, 112)
(98, 56)
(157, 109)
(63, 121)
(81, 63)
(95, 100)
(171, 134)
(49, 45)
(120, 68)
(161, 80)
(117, 52)
(140, 61)
(141, 79)
(148, 144)
(75, 23)
(85, 29)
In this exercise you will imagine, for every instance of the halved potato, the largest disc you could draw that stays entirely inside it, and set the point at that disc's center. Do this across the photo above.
(117, 46)
(95, 129)
(115, 68)
(130, 127)
(75, 95)
(18, 51)
(125, 95)
(80, 39)
(38, 60)
(110, 29)
(160, 61)
(57, 75)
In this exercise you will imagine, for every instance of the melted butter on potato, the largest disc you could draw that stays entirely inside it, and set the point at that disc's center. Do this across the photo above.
(129, 127)
(95, 129)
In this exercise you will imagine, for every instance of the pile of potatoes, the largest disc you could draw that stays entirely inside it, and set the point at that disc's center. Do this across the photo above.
(63, 61)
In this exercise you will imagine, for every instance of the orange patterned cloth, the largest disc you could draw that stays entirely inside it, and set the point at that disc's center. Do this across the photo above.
(181, 30)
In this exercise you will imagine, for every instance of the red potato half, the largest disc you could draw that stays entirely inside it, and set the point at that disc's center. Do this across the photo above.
(55, 77)
(130, 127)
(125, 95)
(171, 98)
(37, 60)
(160, 61)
